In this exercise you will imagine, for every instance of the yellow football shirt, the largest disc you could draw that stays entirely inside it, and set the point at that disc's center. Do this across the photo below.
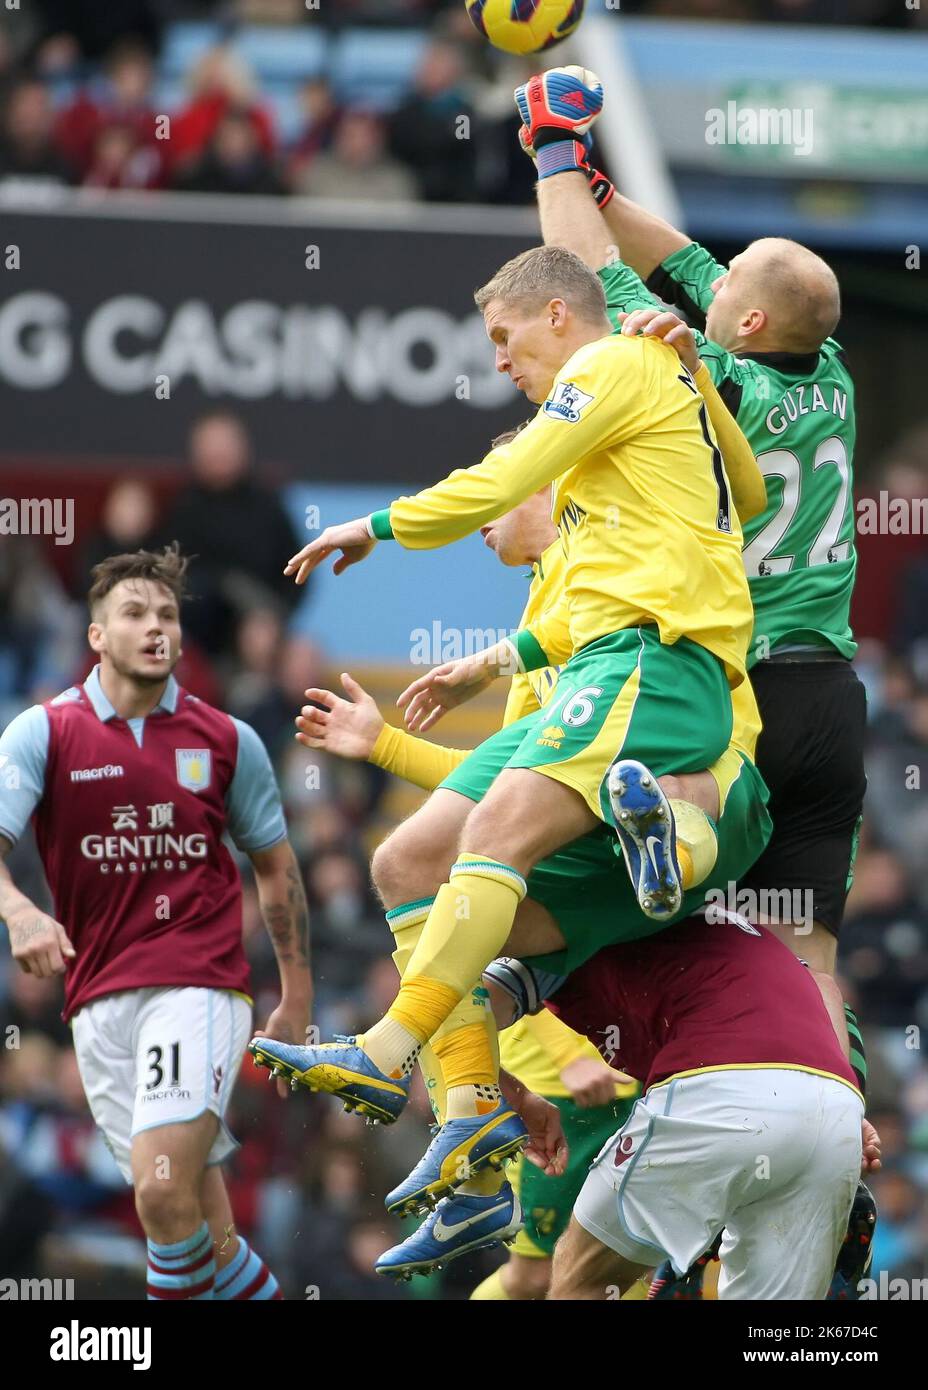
(639, 496)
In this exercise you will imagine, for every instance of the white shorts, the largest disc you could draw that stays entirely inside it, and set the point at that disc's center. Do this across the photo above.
(150, 1057)
(770, 1156)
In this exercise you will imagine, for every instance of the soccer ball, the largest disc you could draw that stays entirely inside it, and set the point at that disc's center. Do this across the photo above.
(525, 26)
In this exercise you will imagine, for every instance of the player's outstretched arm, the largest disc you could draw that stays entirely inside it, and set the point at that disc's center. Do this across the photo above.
(347, 728)
(570, 218)
(557, 109)
(39, 945)
(749, 490)
(286, 915)
(645, 239)
(355, 728)
(446, 686)
(589, 1079)
(352, 538)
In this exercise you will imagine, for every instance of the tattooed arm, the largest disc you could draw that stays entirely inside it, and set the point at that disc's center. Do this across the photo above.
(286, 916)
(38, 943)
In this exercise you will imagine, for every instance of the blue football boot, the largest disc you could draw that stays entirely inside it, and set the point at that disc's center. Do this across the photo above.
(458, 1226)
(460, 1149)
(340, 1068)
(645, 826)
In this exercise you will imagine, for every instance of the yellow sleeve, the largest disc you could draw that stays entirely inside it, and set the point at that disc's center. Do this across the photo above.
(591, 406)
(749, 491)
(415, 759)
(560, 1043)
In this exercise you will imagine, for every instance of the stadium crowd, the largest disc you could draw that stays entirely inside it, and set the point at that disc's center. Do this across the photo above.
(91, 95)
(306, 1182)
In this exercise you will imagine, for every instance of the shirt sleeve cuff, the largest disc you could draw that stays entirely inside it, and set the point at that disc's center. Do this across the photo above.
(378, 523)
(532, 656)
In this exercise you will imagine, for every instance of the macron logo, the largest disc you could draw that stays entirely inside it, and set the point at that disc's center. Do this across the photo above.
(96, 774)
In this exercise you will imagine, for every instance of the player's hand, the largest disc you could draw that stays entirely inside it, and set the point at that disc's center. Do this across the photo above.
(443, 688)
(347, 728)
(288, 1023)
(564, 100)
(39, 944)
(546, 1146)
(871, 1161)
(660, 323)
(352, 538)
(590, 1082)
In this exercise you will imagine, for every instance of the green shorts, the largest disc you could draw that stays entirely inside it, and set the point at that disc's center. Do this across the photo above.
(548, 1202)
(585, 886)
(627, 695)
(602, 909)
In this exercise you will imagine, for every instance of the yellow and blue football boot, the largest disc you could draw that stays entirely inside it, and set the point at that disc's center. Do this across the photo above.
(339, 1068)
(460, 1149)
(458, 1226)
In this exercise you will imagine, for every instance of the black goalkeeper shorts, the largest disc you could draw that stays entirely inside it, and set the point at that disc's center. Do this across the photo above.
(811, 755)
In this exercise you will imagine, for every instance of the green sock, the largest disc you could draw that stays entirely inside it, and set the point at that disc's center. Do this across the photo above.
(858, 1057)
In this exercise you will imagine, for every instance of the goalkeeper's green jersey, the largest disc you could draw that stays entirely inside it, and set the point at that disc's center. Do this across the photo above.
(797, 412)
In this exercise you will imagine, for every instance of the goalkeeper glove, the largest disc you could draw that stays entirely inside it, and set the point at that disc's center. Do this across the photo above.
(576, 158)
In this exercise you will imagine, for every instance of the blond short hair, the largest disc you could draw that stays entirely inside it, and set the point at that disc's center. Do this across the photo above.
(531, 280)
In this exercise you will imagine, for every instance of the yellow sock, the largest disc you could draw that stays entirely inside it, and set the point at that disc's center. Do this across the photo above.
(467, 1059)
(492, 1287)
(469, 922)
(406, 932)
(406, 923)
(422, 1005)
(474, 1008)
(697, 843)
